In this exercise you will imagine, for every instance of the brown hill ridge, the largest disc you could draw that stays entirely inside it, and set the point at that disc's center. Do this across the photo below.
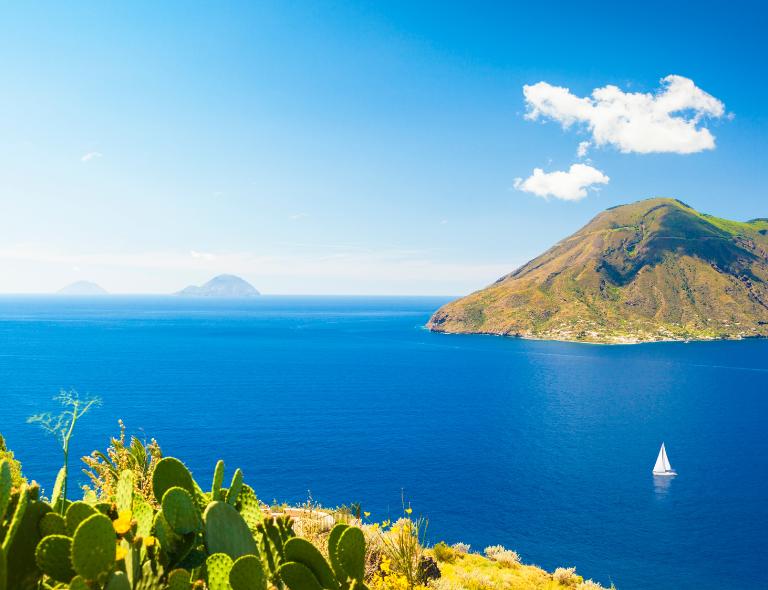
(652, 270)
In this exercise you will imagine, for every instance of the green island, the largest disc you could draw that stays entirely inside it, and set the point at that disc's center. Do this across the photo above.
(654, 270)
(145, 523)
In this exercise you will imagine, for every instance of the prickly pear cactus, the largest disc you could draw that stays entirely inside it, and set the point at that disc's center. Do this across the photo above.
(218, 479)
(217, 568)
(5, 486)
(249, 507)
(179, 579)
(76, 513)
(22, 538)
(124, 492)
(234, 489)
(93, 547)
(302, 551)
(247, 573)
(170, 472)
(79, 583)
(298, 577)
(181, 512)
(350, 552)
(52, 556)
(3, 571)
(226, 531)
(52, 524)
(118, 581)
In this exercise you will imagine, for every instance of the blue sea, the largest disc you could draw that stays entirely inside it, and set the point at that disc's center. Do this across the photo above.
(543, 447)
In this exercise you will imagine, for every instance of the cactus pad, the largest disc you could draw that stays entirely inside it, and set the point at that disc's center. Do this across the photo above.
(118, 581)
(247, 574)
(351, 553)
(5, 486)
(333, 545)
(77, 513)
(79, 583)
(124, 493)
(303, 552)
(52, 524)
(249, 507)
(93, 547)
(218, 479)
(234, 489)
(298, 577)
(178, 579)
(170, 472)
(52, 556)
(217, 568)
(180, 511)
(57, 496)
(227, 532)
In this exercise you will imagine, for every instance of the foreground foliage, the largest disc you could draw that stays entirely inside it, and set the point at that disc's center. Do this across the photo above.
(145, 523)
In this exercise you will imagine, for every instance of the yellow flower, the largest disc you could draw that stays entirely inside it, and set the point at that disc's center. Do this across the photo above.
(149, 541)
(123, 523)
(366, 514)
(386, 523)
(120, 552)
(408, 510)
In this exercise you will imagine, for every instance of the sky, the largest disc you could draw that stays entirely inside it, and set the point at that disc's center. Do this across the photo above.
(359, 148)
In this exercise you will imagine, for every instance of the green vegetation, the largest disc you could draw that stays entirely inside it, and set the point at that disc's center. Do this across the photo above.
(652, 270)
(145, 523)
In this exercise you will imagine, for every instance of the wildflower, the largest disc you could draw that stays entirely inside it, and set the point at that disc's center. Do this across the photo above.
(386, 523)
(149, 541)
(120, 552)
(123, 522)
(409, 510)
(366, 514)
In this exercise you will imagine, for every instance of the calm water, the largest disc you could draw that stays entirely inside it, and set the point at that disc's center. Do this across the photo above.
(543, 447)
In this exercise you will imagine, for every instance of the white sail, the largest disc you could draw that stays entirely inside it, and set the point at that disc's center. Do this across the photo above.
(663, 466)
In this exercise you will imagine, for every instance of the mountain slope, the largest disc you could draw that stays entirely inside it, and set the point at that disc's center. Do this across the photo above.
(222, 286)
(652, 270)
(82, 288)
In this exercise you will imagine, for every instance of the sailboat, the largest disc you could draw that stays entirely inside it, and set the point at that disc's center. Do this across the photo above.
(663, 466)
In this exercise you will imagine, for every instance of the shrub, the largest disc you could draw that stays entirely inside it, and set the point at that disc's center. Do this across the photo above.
(589, 585)
(444, 552)
(501, 555)
(402, 547)
(566, 576)
(461, 548)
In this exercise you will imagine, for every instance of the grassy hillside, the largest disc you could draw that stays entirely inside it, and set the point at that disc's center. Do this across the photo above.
(652, 270)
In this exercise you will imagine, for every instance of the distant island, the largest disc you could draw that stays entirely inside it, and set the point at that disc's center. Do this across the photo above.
(82, 288)
(221, 286)
(648, 271)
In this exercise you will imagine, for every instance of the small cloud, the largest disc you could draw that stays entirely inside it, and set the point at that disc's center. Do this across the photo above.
(583, 148)
(668, 120)
(91, 156)
(568, 186)
(443, 221)
(202, 255)
(297, 216)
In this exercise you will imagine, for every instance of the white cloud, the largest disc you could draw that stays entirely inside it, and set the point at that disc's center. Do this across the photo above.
(202, 255)
(91, 156)
(568, 186)
(298, 216)
(583, 148)
(668, 120)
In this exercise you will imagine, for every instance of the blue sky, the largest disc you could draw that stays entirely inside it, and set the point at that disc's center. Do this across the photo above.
(347, 147)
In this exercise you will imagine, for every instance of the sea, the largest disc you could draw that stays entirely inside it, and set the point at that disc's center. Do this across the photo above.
(543, 447)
